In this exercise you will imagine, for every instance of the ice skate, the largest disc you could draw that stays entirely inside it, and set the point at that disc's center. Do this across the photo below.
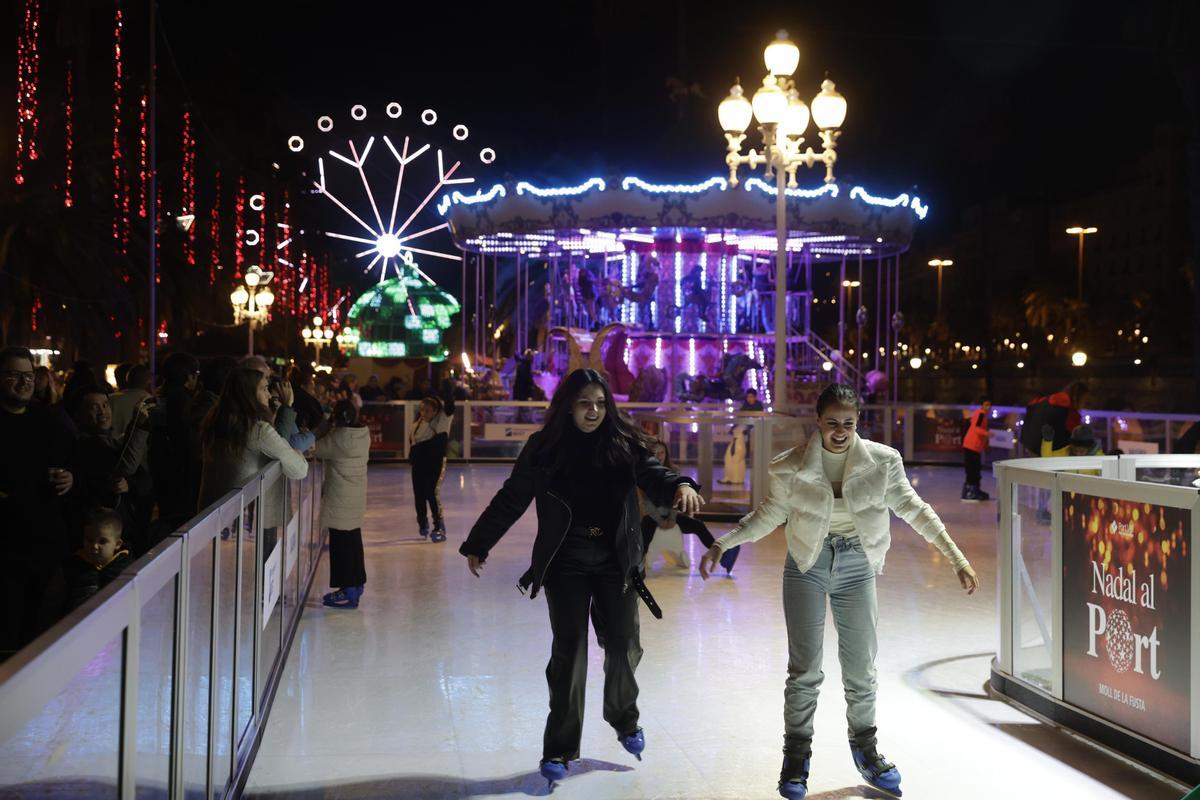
(343, 598)
(424, 531)
(969, 494)
(553, 769)
(793, 778)
(439, 531)
(634, 743)
(876, 770)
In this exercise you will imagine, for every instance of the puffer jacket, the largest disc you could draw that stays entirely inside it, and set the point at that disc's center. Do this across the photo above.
(531, 482)
(801, 498)
(345, 452)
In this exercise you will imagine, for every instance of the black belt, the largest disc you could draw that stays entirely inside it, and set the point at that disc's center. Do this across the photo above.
(639, 586)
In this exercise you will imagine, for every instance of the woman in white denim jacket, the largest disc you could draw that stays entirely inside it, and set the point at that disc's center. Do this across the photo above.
(833, 496)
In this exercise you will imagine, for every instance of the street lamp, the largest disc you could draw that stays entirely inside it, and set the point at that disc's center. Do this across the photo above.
(252, 302)
(318, 336)
(939, 263)
(347, 340)
(782, 120)
(1079, 358)
(1080, 232)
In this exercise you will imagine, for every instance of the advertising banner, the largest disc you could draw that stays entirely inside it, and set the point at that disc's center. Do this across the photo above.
(386, 424)
(939, 431)
(1127, 614)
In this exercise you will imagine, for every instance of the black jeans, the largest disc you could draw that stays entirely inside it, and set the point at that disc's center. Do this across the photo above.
(974, 465)
(584, 572)
(346, 565)
(427, 485)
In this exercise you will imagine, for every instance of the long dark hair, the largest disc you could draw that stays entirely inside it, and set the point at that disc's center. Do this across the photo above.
(226, 428)
(620, 442)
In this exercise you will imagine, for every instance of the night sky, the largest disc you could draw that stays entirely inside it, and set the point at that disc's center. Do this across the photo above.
(961, 102)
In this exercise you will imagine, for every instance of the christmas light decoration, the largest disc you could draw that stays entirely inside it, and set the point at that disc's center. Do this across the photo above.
(143, 147)
(68, 125)
(239, 225)
(120, 197)
(188, 187)
(403, 317)
(27, 87)
(214, 230)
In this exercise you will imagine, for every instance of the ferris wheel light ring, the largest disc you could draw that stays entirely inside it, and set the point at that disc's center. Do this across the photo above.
(358, 112)
(461, 133)
(429, 116)
(325, 124)
(257, 201)
(487, 155)
(393, 110)
(295, 144)
(252, 238)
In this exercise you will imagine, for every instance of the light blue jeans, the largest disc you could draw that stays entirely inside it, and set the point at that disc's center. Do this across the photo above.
(844, 576)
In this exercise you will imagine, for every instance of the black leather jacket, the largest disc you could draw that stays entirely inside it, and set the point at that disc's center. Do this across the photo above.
(531, 482)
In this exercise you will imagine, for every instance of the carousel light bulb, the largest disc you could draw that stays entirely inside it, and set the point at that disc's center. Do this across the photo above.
(829, 107)
(781, 56)
(735, 111)
(769, 102)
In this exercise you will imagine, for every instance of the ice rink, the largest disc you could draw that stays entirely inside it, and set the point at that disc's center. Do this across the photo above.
(435, 687)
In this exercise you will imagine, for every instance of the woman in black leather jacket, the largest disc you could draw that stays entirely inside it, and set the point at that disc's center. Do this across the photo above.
(582, 471)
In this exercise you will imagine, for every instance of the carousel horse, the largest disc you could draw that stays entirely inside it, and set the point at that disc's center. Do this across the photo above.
(696, 388)
(643, 293)
(620, 377)
(610, 300)
(650, 385)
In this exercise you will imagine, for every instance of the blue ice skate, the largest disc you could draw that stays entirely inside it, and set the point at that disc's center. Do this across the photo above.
(634, 743)
(876, 770)
(553, 769)
(793, 778)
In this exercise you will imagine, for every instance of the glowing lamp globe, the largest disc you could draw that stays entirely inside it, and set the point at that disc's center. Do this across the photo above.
(265, 298)
(781, 56)
(329, 333)
(735, 111)
(827, 366)
(829, 107)
(317, 322)
(915, 362)
(1079, 358)
(387, 246)
(306, 334)
(252, 278)
(769, 102)
(239, 296)
(795, 116)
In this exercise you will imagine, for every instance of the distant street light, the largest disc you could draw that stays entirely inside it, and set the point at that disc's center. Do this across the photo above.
(252, 301)
(915, 362)
(1080, 232)
(939, 263)
(318, 336)
(1079, 358)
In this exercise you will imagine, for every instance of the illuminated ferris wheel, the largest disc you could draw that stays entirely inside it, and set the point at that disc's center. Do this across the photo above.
(355, 183)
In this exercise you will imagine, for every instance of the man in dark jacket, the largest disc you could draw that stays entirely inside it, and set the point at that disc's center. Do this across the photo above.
(36, 452)
(174, 464)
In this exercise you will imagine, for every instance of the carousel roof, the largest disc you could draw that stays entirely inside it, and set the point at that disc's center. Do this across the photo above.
(600, 216)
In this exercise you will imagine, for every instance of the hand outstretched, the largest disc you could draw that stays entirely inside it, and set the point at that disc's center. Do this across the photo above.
(710, 560)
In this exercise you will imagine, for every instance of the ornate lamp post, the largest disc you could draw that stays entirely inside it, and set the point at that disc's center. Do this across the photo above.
(318, 336)
(347, 340)
(782, 120)
(252, 302)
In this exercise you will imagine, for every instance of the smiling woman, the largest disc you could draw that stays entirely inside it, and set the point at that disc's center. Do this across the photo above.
(583, 470)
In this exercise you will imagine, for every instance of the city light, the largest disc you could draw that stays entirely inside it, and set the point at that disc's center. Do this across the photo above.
(1079, 358)
(915, 362)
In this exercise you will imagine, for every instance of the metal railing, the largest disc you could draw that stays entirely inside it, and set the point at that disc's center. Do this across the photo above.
(160, 684)
(924, 433)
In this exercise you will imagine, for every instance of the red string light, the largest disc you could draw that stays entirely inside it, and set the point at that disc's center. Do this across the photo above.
(214, 231)
(37, 308)
(120, 203)
(27, 85)
(188, 183)
(239, 229)
(143, 146)
(68, 201)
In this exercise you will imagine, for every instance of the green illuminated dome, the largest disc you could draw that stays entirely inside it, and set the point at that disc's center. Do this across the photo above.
(403, 317)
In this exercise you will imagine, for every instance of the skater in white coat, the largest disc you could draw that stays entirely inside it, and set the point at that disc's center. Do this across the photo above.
(833, 495)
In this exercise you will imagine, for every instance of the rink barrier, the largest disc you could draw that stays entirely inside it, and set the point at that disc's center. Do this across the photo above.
(160, 684)
(1046, 555)
(924, 433)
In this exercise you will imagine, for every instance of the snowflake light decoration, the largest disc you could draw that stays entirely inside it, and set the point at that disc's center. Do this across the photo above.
(390, 244)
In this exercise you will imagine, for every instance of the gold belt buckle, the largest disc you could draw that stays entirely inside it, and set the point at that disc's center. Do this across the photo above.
(594, 532)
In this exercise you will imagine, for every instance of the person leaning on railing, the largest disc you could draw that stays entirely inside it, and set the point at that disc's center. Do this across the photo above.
(238, 440)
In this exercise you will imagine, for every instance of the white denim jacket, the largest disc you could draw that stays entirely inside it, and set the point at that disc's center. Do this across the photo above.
(801, 497)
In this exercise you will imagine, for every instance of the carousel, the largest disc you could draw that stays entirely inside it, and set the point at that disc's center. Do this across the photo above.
(670, 289)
